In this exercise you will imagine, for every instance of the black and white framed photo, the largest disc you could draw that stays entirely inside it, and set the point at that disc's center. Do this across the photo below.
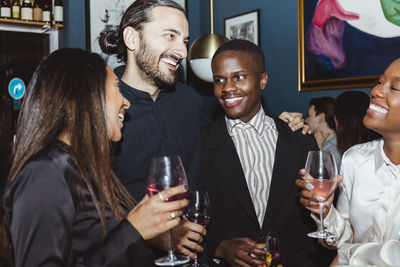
(244, 26)
(106, 15)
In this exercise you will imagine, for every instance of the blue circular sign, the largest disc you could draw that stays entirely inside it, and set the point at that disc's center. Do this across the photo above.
(16, 88)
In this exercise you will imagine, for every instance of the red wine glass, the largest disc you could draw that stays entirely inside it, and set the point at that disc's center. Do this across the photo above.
(198, 212)
(166, 172)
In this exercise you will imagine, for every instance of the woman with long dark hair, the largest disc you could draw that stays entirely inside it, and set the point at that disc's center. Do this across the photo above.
(63, 205)
(350, 108)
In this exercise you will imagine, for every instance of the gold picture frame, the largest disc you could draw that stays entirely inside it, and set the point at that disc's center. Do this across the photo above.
(307, 82)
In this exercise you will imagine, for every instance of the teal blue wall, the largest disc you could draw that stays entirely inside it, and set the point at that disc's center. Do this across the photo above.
(73, 34)
(278, 21)
(279, 42)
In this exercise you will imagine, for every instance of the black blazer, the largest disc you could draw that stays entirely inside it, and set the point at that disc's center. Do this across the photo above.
(232, 211)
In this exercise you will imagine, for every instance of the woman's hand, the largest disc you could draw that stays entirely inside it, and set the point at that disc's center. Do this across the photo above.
(309, 199)
(152, 216)
(295, 121)
(237, 252)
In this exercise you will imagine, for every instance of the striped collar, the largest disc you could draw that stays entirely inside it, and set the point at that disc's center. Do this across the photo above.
(260, 122)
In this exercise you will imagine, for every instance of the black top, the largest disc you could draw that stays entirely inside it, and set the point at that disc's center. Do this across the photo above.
(170, 125)
(50, 225)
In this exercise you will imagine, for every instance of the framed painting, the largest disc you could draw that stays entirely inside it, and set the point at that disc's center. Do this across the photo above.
(243, 26)
(346, 44)
(106, 15)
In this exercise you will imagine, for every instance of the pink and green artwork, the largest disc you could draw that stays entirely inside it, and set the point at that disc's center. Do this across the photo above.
(346, 43)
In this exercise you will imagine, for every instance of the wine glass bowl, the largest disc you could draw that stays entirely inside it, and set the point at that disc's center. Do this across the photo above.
(166, 172)
(321, 175)
(270, 243)
(198, 212)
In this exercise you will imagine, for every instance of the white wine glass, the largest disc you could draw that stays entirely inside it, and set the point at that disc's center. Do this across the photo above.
(322, 175)
(198, 212)
(166, 172)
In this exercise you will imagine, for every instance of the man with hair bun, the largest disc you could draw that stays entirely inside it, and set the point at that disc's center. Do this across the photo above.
(164, 116)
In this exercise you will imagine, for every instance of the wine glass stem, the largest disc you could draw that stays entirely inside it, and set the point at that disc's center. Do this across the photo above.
(171, 254)
(322, 228)
(195, 263)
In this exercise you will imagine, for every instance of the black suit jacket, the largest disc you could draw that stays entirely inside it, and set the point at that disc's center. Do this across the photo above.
(232, 211)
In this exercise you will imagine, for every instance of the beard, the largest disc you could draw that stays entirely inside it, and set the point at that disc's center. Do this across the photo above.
(148, 63)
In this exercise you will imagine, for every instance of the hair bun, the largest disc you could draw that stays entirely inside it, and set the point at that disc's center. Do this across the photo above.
(109, 42)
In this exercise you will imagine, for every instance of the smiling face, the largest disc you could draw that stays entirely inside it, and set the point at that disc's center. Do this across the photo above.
(238, 82)
(115, 105)
(163, 45)
(383, 114)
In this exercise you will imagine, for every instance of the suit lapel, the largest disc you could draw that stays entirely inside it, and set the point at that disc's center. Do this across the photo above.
(227, 163)
(281, 180)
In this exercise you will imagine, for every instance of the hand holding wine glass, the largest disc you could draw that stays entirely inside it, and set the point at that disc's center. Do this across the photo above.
(270, 243)
(198, 212)
(152, 217)
(319, 182)
(166, 172)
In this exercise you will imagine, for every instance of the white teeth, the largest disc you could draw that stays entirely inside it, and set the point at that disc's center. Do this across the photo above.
(121, 116)
(231, 100)
(169, 61)
(378, 109)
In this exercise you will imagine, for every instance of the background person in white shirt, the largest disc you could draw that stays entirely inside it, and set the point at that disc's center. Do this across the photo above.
(367, 216)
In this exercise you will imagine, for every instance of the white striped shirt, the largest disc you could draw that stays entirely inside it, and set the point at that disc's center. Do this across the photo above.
(255, 144)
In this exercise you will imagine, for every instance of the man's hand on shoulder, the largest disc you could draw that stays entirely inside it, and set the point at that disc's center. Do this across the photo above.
(295, 121)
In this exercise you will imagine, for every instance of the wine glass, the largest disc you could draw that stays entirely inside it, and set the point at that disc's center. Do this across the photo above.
(166, 172)
(270, 243)
(322, 175)
(197, 212)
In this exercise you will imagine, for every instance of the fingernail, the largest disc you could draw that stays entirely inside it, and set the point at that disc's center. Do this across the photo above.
(309, 186)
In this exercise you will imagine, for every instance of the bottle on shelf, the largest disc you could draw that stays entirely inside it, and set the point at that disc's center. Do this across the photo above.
(26, 10)
(16, 9)
(58, 12)
(46, 11)
(37, 11)
(5, 9)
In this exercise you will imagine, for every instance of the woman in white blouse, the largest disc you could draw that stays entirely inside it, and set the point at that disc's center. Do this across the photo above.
(367, 217)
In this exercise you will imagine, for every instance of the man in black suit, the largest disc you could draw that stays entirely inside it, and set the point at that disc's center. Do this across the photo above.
(250, 161)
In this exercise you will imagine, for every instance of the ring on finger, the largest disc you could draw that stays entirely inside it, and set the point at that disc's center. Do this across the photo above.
(161, 197)
(173, 215)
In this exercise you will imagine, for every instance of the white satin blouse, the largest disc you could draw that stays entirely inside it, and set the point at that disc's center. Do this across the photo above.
(367, 216)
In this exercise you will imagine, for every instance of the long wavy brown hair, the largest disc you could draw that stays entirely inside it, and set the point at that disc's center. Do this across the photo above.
(67, 94)
(350, 109)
